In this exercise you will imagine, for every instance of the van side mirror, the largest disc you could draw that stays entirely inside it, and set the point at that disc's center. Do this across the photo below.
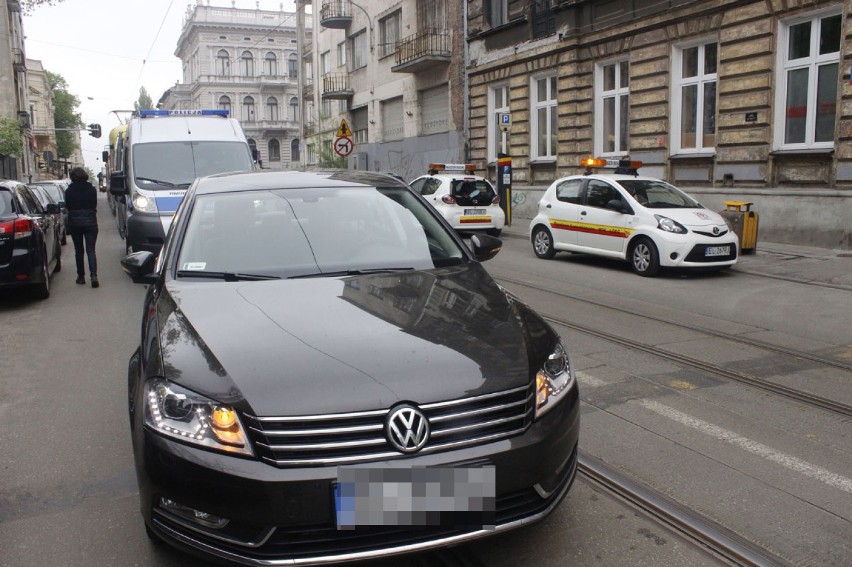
(53, 209)
(485, 247)
(117, 184)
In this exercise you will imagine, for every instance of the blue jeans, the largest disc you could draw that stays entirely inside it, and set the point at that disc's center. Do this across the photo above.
(88, 235)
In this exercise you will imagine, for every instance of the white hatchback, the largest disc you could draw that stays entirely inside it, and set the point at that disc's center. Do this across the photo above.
(467, 201)
(643, 220)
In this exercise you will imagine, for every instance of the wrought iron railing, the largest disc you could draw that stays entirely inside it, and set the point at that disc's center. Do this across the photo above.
(431, 42)
(335, 83)
(335, 9)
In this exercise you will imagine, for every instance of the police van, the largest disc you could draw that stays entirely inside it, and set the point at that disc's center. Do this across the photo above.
(164, 152)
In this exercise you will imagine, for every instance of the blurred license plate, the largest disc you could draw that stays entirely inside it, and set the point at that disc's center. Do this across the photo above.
(717, 251)
(414, 496)
(474, 211)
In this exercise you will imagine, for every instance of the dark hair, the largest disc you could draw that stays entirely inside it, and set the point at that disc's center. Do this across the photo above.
(78, 175)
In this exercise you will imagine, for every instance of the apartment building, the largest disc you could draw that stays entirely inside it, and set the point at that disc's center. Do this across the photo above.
(13, 89)
(394, 69)
(245, 61)
(733, 99)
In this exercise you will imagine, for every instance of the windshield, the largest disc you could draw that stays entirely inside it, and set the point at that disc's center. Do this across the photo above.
(655, 194)
(166, 165)
(54, 191)
(312, 232)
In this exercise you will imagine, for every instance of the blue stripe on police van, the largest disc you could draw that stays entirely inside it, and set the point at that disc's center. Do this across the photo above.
(168, 204)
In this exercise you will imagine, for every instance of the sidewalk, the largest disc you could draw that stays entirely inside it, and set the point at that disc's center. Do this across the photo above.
(821, 266)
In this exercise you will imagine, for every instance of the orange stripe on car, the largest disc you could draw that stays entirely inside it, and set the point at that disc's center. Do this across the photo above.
(602, 229)
(474, 219)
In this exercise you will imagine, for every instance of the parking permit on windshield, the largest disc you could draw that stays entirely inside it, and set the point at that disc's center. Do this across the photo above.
(194, 266)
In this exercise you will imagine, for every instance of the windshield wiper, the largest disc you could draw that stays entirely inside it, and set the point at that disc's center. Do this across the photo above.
(161, 182)
(340, 273)
(227, 276)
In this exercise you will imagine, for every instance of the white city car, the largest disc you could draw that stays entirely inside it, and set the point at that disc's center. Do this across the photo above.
(643, 220)
(467, 201)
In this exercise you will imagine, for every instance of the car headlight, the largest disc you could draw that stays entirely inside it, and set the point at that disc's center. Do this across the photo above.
(144, 204)
(182, 414)
(553, 381)
(669, 225)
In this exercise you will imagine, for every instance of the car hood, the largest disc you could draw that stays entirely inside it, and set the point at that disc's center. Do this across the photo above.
(329, 345)
(691, 217)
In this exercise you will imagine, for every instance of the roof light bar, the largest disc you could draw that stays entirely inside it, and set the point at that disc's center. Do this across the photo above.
(196, 112)
(621, 165)
(466, 167)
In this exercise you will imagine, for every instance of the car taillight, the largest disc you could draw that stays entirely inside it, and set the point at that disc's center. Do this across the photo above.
(449, 199)
(495, 200)
(23, 228)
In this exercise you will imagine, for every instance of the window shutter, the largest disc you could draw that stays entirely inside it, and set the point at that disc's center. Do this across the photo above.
(392, 128)
(435, 110)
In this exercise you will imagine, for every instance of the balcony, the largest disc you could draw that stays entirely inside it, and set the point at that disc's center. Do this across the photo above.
(308, 90)
(19, 62)
(335, 86)
(336, 14)
(425, 49)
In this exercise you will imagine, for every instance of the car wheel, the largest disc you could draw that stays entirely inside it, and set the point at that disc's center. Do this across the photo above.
(494, 231)
(64, 240)
(41, 290)
(644, 258)
(542, 242)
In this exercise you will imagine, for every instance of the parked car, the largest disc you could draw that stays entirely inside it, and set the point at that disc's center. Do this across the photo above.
(56, 189)
(643, 220)
(29, 240)
(307, 337)
(468, 202)
(61, 218)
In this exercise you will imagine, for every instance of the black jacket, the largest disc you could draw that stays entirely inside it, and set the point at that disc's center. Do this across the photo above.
(81, 199)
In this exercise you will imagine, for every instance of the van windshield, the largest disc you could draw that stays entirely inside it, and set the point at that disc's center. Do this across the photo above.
(166, 165)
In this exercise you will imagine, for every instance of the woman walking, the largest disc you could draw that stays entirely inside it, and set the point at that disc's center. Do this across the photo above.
(81, 199)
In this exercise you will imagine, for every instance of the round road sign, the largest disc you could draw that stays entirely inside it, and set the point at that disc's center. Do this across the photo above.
(343, 146)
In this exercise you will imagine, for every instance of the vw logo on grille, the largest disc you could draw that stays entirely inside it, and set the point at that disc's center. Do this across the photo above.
(715, 230)
(407, 429)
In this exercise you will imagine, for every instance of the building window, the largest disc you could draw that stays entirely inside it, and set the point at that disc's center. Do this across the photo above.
(431, 15)
(611, 108)
(392, 125)
(435, 110)
(325, 108)
(294, 109)
(246, 64)
(272, 109)
(388, 34)
(325, 63)
(694, 97)
(544, 118)
(270, 65)
(498, 12)
(358, 49)
(255, 155)
(294, 150)
(274, 149)
(543, 18)
(341, 54)
(498, 103)
(359, 125)
(225, 103)
(312, 154)
(809, 66)
(292, 66)
(248, 109)
(223, 63)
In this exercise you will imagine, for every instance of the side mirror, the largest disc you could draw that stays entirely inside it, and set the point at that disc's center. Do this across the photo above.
(53, 209)
(140, 267)
(620, 206)
(485, 247)
(117, 184)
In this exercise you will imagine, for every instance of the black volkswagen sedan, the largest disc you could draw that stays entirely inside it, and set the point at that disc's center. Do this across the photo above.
(30, 247)
(327, 373)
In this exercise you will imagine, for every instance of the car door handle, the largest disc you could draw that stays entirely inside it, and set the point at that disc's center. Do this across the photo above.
(583, 213)
(549, 206)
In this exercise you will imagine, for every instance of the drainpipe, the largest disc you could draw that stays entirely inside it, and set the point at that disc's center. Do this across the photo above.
(466, 90)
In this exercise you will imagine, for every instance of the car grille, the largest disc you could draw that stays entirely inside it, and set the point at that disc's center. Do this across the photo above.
(710, 234)
(293, 543)
(697, 254)
(333, 439)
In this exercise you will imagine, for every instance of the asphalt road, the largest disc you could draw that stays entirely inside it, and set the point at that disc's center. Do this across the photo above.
(760, 465)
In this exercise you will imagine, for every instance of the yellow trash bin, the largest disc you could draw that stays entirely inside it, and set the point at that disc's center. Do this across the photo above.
(744, 222)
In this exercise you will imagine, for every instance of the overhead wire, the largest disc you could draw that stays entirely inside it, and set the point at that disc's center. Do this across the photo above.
(153, 43)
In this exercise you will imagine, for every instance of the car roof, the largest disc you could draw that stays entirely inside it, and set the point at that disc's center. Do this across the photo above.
(267, 180)
(455, 176)
(610, 177)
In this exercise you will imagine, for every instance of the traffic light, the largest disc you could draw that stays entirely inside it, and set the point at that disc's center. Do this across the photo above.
(95, 130)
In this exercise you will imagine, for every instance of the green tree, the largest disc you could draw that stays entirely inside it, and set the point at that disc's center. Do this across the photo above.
(30, 5)
(145, 102)
(64, 115)
(10, 137)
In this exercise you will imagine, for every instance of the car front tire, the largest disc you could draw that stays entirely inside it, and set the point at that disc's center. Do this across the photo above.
(41, 290)
(644, 258)
(542, 242)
